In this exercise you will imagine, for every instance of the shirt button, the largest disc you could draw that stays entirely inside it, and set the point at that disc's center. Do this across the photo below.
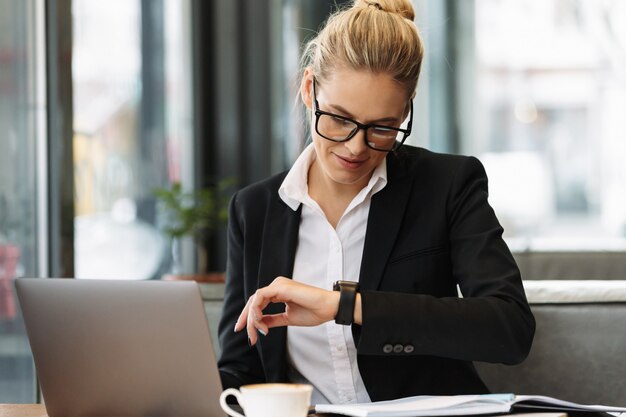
(339, 348)
(398, 348)
(387, 349)
(409, 349)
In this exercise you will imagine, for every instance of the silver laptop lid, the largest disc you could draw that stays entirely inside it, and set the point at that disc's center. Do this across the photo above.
(121, 348)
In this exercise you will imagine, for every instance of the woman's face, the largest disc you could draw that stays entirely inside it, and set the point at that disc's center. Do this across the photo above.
(361, 96)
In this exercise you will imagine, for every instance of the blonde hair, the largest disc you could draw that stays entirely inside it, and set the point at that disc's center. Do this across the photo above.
(377, 36)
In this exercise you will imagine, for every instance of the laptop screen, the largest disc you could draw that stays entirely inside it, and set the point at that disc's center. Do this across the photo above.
(121, 348)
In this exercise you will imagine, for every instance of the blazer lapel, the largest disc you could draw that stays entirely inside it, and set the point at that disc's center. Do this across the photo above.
(278, 250)
(383, 224)
(280, 239)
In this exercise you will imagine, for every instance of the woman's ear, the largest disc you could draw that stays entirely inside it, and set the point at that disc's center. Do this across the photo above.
(306, 88)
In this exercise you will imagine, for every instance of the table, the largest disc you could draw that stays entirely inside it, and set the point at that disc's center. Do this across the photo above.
(22, 410)
(39, 410)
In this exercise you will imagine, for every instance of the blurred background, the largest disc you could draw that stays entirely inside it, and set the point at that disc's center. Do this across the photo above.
(102, 103)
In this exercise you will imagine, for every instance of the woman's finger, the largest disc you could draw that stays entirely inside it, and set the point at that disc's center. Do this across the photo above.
(243, 316)
(250, 327)
(256, 318)
(252, 317)
(275, 320)
(254, 321)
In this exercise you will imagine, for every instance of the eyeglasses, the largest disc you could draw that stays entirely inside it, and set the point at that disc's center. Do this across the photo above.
(338, 128)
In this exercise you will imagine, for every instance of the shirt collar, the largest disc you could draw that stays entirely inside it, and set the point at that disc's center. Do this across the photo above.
(294, 188)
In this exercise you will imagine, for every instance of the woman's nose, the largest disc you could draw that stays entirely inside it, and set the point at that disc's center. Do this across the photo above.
(356, 145)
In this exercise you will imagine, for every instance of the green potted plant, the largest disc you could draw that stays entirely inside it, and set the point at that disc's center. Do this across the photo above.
(192, 214)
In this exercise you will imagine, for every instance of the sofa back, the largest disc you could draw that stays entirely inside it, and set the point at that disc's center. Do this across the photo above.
(579, 350)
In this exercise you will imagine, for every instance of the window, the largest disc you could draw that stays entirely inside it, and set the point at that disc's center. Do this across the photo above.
(22, 107)
(132, 130)
(550, 99)
(131, 81)
(537, 91)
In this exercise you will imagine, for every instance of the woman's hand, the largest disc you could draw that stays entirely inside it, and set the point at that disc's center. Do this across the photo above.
(304, 306)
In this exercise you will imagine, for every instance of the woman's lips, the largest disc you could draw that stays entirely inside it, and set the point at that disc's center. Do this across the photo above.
(349, 163)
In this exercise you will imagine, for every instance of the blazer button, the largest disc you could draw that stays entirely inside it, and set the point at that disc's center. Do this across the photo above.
(387, 349)
(398, 348)
(409, 349)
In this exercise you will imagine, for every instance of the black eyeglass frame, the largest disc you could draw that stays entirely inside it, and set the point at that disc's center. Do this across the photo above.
(360, 126)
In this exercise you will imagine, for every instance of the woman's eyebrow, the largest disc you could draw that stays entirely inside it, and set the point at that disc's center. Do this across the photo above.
(346, 113)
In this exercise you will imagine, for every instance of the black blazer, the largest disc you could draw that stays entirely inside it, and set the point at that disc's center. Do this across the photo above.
(428, 230)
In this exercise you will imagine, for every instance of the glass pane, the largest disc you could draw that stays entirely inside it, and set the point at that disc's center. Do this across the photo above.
(551, 99)
(132, 127)
(18, 198)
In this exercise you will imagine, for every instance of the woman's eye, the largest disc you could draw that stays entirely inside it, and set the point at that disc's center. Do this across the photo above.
(383, 132)
(340, 121)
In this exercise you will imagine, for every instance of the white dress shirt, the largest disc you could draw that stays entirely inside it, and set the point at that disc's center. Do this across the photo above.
(325, 355)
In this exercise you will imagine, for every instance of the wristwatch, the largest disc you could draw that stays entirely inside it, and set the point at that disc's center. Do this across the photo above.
(347, 298)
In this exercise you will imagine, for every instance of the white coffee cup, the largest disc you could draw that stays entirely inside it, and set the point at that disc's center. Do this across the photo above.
(270, 400)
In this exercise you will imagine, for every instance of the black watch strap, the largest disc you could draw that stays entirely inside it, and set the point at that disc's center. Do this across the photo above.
(347, 298)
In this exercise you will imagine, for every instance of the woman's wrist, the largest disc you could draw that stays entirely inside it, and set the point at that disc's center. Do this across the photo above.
(334, 305)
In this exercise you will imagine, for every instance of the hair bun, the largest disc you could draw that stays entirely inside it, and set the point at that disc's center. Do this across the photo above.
(402, 7)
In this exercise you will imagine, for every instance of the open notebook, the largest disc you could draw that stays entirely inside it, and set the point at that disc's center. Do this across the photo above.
(459, 405)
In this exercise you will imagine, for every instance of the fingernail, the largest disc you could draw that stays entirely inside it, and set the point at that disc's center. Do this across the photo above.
(262, 332)
(249, 343)
(235, 328)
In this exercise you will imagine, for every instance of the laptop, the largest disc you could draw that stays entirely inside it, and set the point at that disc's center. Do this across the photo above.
(121, 348)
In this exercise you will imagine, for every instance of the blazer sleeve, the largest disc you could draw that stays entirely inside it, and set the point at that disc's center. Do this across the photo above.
(492, 322)
(239, 364)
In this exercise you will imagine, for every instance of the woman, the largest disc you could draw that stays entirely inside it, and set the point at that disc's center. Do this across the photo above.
(404, 225)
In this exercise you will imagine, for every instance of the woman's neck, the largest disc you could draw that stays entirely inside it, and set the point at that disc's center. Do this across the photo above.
(332, 197)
